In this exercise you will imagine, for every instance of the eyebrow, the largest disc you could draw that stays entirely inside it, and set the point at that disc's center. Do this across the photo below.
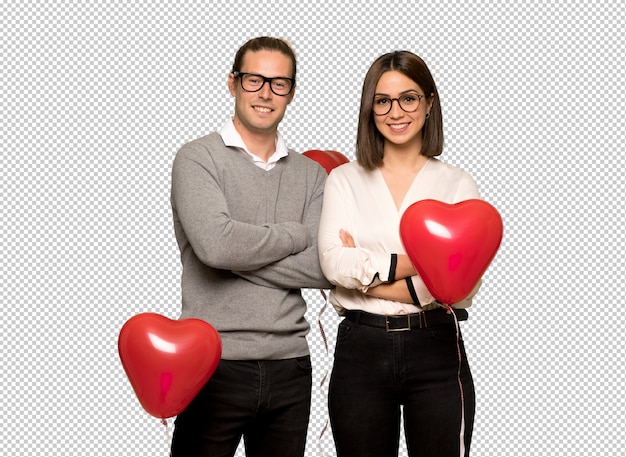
(378, 94)
(270, 77)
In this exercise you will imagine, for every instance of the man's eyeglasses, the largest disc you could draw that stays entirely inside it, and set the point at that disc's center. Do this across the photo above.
(251, 82)
(408, 103)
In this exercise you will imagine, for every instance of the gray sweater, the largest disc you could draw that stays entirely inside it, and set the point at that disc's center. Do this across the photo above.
(248, 244)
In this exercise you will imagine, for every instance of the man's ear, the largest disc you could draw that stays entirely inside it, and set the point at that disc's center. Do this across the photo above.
(231, 84)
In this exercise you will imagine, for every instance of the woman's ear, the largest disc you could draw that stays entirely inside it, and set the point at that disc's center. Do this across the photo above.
(432, 100)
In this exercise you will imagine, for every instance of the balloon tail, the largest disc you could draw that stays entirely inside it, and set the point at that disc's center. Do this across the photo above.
(167, 436)
(449, 309)
(320, 450)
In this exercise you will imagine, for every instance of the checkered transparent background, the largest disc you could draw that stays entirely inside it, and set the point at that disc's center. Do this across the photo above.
(98, 96)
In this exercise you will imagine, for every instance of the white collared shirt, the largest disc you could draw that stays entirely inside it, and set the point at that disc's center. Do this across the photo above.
(231, 138)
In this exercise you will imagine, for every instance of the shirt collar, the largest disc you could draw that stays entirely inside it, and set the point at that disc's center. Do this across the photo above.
(231, 138)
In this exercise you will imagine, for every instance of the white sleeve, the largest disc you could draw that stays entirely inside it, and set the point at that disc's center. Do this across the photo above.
(351, 268)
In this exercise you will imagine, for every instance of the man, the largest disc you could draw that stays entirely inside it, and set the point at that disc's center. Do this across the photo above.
(246, 211)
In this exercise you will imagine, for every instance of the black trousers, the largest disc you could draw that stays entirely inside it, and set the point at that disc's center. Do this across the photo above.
(379, 377)
(267, 402)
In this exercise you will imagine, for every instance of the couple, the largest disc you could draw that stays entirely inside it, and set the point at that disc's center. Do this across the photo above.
(256, 222)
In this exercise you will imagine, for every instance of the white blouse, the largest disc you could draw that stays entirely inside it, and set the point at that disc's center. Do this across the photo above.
(359, 201)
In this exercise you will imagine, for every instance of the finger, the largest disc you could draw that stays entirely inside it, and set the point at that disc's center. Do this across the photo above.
(346, 239)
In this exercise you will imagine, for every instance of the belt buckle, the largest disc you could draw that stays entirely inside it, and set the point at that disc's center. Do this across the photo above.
(406, 329)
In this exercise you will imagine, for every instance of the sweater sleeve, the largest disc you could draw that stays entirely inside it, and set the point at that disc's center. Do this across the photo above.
(202, 220)
(300, 270)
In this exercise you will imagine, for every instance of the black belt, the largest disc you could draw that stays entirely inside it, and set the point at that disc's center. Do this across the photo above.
(406, 322)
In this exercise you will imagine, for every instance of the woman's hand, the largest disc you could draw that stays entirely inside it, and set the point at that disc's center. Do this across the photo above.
(346, 239)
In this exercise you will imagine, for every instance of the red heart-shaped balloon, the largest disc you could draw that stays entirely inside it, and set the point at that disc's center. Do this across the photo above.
(451, 245)
(327, 159)
(168, 361)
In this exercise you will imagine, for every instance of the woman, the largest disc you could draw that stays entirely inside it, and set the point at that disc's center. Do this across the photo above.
(397, 347)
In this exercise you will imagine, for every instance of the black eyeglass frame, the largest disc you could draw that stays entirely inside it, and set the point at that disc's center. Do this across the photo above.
(391, 100)
(241, 74)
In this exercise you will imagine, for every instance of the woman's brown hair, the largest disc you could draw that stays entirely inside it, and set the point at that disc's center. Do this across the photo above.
(369, 142)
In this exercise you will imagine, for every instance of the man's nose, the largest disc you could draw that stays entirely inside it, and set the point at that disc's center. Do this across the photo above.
(266, 90)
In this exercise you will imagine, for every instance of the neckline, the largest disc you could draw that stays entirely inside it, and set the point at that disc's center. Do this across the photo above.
(403, 204)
